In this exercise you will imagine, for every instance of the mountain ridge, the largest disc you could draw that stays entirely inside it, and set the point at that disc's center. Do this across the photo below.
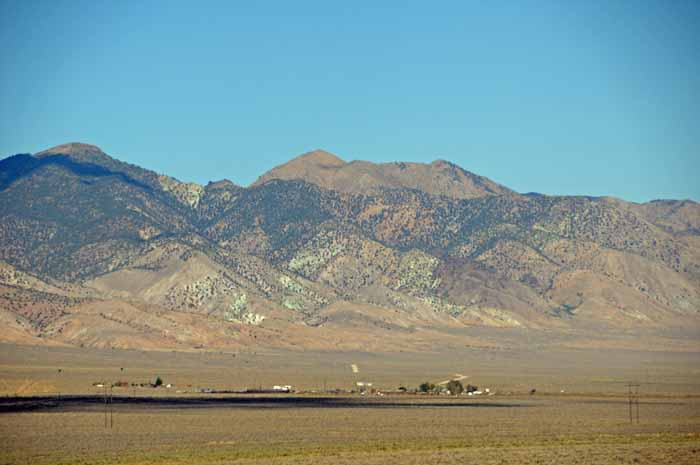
(399, 256)
(73, 148)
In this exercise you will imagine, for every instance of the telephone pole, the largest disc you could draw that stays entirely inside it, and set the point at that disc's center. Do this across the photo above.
(105, 396)
(111, 407)
(633, 400)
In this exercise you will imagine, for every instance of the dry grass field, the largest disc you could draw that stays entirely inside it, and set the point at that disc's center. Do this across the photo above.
(588, 423)
(417, 431)
(30, 370)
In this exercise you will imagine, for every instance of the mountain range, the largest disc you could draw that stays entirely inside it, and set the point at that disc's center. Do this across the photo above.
(320, 253)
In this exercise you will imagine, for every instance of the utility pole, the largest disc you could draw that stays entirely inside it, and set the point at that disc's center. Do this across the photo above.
(111, 407)
(633, 400)
(60, 370)
(105, 395)
(108, 406)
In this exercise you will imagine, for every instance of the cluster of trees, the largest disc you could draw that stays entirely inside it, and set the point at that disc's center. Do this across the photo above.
(454, 387)
(426, 387)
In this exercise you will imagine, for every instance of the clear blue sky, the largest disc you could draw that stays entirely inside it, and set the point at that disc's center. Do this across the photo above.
(560, 97)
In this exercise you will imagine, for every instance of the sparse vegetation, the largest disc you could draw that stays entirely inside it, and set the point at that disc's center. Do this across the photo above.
(480, 255)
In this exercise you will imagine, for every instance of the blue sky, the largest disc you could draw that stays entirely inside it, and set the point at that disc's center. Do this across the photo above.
(589, 97)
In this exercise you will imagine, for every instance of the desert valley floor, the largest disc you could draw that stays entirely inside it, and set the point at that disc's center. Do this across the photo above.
(578, 414)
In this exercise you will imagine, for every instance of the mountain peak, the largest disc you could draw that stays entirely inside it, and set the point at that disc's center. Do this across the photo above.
(79, 152)
(319, 157)
(221, 184)
(71, 148)
(311, 166)
(440, 163)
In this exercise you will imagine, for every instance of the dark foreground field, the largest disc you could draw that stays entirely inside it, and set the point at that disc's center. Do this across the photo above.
(588, 423)
(332, 430)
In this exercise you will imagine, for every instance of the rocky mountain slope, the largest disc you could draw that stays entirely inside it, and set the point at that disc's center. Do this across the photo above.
(327, 254)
